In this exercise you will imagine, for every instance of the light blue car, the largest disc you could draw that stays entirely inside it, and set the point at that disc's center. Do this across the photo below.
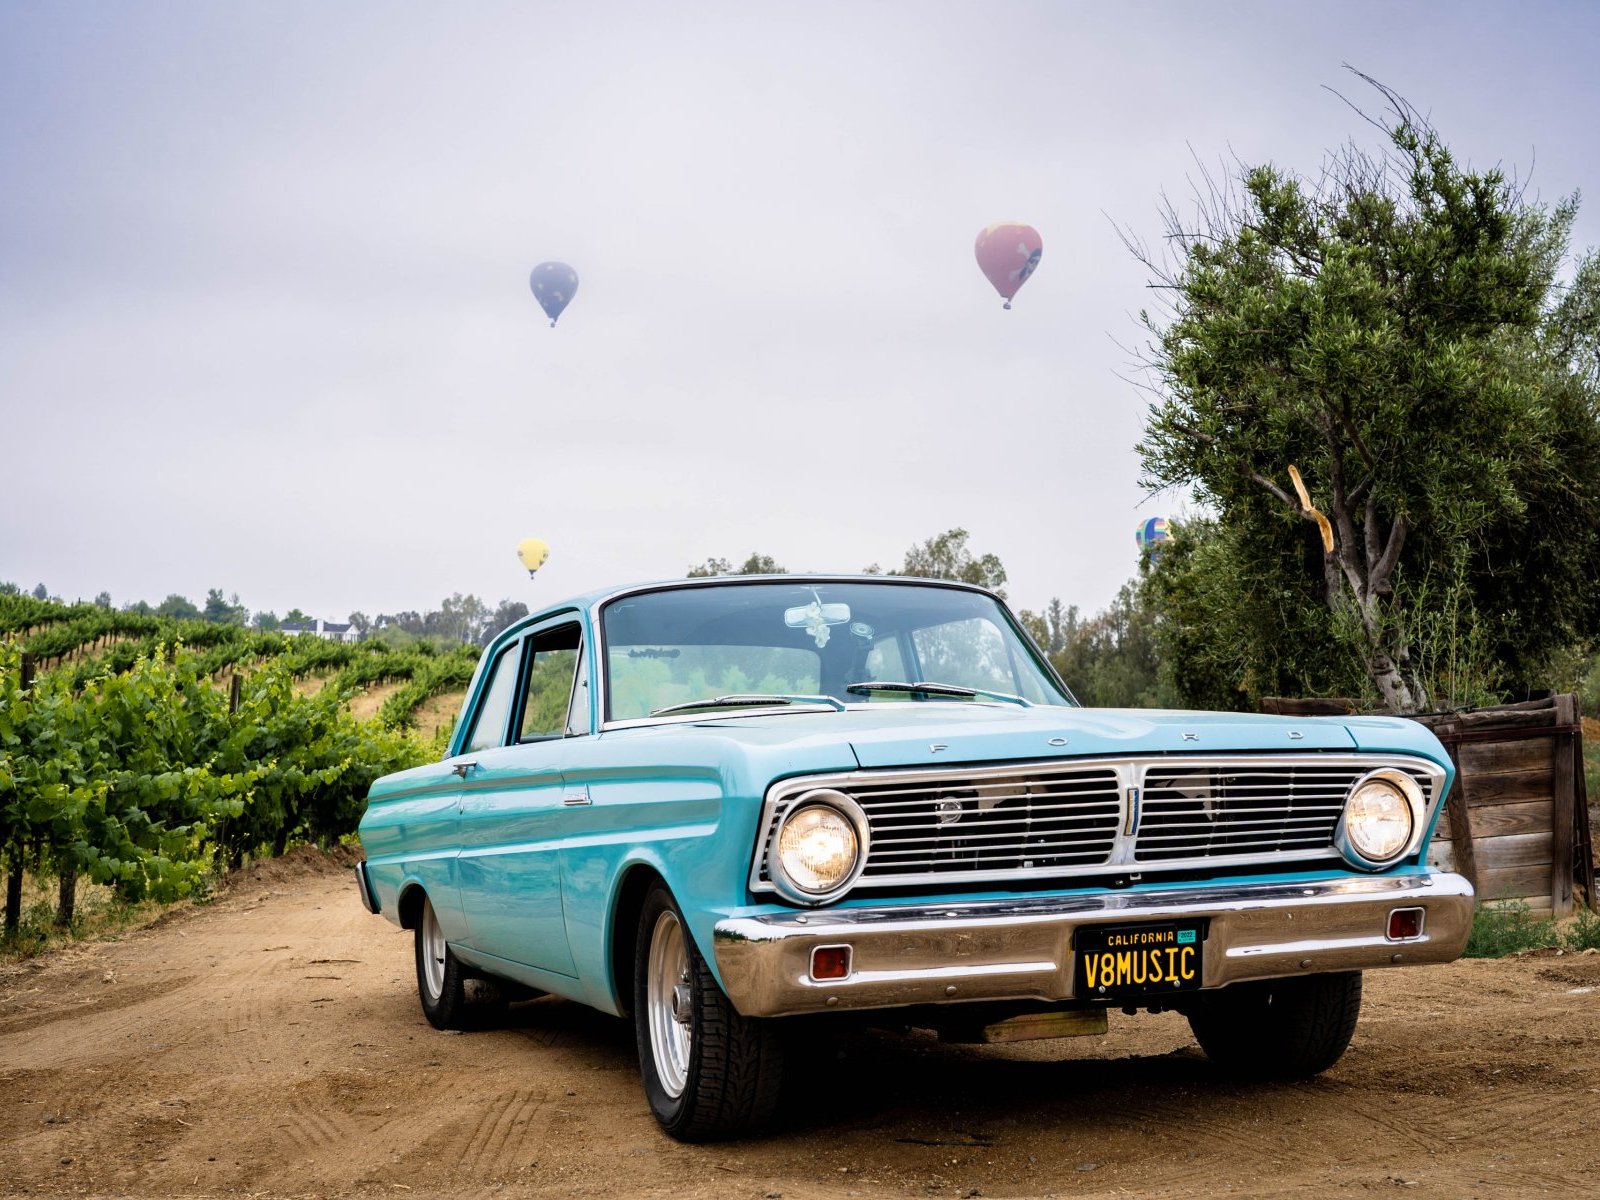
(728, 808)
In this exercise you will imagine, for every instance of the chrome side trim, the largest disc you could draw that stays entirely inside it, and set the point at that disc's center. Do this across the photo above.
(369, 898)
(1134, 808)
(1021, 949)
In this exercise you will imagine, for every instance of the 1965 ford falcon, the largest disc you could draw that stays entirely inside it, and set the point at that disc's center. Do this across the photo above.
(718, 805)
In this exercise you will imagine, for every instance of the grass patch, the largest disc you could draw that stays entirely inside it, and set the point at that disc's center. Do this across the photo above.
(1509, 927)
(100, 914)
(1583, 932)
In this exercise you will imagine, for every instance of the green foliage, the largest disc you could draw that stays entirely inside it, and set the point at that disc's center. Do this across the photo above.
(1583, 933)
(1508, 927)
(140, 777)
(1394, 329)
(220, 611)
(948, 557)
(756, 564)
(1111, 660)
(432, 675)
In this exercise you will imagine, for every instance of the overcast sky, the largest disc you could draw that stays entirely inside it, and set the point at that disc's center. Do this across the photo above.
(265, 322)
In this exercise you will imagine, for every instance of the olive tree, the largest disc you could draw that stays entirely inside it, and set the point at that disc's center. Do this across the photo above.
(1382, 380)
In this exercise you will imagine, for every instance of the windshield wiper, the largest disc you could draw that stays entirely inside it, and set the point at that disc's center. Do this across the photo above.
(748, 700)
(925, 688)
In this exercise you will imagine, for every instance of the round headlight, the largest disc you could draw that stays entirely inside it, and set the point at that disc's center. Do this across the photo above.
(819, 847)
(1380, 818)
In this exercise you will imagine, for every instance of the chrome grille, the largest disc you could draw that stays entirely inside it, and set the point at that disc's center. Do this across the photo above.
(1189, 812)
(1205, 812)
(1021, 821)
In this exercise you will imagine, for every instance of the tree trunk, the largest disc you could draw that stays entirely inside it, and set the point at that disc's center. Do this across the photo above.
(67, 898)
(1397, 695)
(14, 896)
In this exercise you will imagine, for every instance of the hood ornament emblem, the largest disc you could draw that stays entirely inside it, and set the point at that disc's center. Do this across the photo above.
(1191, 737)
(1058, 741)
(935, 747)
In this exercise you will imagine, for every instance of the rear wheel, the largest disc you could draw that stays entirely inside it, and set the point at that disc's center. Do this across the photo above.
(708, 1072)
(441, 983)
(1280, 1028)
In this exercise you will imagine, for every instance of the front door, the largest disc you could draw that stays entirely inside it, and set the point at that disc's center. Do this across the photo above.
(512, 814)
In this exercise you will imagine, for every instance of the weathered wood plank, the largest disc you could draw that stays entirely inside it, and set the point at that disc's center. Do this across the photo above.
(1521, 719)
(1515, 883)
(1527, 754)
(1510, 787)
(1509, 820)
(1455, 804)
(1566, 799)
(1583, 837)
(1516, 850)
(1441, 855)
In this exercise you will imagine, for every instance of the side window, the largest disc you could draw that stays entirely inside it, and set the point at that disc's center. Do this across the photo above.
(547, 708)
(494, 710)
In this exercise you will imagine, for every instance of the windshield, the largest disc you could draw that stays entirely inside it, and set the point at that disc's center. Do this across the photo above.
(781, 639)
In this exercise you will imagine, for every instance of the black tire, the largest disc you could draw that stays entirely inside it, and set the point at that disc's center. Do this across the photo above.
(708, 1072)
(1280, 1028)
(441, 981)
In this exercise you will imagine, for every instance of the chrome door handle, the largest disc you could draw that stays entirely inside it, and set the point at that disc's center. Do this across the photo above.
(461, 769)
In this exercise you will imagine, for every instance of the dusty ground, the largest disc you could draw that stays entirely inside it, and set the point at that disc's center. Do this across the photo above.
(271, 1043)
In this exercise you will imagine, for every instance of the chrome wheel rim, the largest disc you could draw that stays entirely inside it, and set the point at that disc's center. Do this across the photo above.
(433, 952)
(669, 998)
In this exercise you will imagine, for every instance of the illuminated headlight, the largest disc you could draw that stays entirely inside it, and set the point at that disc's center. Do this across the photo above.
(1382, 819)
(819, 847)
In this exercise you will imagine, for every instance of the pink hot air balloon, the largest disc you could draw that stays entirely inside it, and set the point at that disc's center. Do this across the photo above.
(1007, 254)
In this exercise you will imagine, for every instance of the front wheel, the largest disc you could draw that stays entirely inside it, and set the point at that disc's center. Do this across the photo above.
(708, 1072)
(1280, 1028)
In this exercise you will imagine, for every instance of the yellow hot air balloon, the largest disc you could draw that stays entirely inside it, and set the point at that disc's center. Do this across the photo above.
(533, 552)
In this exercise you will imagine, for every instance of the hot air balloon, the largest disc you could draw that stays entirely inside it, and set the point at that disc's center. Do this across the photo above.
(1007, 254)
(533, 552)
(554, 285)
(1150, 535)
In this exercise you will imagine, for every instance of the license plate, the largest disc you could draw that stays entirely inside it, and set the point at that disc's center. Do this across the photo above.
(1136, 960)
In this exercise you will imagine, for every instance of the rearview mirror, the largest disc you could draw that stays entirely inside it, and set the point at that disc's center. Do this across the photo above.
(816, 613)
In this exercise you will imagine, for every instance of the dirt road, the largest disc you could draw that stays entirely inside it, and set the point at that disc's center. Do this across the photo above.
(271, 1043)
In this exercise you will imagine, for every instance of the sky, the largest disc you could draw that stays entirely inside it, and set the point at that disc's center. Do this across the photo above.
(265, 323)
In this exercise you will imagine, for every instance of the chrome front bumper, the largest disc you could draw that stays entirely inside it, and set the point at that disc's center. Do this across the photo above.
(1022, 949)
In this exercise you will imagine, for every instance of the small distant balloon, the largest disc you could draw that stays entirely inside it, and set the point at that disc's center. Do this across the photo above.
(1150, 535)
(554, 285)
(533, 552)
(1008, 253)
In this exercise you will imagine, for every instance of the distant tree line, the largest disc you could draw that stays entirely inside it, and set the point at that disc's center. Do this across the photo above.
(459, 619)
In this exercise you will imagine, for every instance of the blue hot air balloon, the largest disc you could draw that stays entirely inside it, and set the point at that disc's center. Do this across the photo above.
(554, 285)
(1150, 535)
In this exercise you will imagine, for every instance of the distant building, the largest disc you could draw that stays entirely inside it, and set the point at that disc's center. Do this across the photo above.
(331, 630)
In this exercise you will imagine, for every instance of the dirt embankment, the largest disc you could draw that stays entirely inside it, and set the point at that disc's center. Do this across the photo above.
(270, 1043)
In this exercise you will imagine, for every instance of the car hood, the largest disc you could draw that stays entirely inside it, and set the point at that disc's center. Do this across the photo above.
(918, 734)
